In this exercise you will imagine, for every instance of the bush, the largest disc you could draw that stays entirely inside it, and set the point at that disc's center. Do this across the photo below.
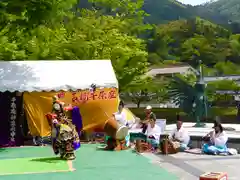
(227, 115)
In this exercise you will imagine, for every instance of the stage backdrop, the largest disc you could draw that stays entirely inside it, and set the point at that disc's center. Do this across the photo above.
(95, 107)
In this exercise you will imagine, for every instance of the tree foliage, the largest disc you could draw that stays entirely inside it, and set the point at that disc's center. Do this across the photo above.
(59, 30)
(224, 10)
(188, 41)
(117, 30)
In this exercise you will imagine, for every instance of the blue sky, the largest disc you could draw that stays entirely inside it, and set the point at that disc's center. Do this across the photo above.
(193, 2)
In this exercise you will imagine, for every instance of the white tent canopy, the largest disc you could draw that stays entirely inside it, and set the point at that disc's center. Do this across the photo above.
(56, 75)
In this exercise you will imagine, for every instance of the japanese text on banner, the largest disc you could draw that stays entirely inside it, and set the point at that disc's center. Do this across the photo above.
(83, 96)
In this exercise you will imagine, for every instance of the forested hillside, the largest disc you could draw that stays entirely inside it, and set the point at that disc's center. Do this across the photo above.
(163, 11)
(196, 39)
(227, 9)
(223, 12)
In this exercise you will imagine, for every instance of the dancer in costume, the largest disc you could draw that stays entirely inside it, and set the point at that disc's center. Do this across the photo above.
(65, 137)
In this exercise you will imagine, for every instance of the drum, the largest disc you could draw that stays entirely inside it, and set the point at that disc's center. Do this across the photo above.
(169, 147)
(122, 132)
(114, 130)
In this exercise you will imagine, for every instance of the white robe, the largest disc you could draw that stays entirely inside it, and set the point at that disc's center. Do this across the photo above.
(155, 132)
(121, 117)
(181, 135)
(219, 139)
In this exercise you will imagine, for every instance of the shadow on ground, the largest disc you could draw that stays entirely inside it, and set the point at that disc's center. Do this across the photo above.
(3, 150)
(48, 159)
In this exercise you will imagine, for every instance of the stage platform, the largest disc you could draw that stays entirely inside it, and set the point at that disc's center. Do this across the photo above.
(197, 133)
(38, 163)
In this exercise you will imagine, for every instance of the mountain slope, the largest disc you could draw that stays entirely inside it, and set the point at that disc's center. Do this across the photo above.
(162, 11)
(221, 11)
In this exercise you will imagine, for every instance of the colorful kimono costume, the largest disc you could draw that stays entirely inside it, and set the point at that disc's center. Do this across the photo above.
(65, 138)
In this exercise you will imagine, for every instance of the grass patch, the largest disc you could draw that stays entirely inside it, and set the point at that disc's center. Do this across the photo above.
(123, 165)
(32, 165)
(90, 164)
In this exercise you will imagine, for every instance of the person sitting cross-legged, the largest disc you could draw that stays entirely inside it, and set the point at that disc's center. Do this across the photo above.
(216, 140)
(180, 136)
(153, 132)
(151, 136)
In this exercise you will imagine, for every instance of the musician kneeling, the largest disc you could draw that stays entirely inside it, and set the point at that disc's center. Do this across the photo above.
(151, 137)
(215, 141)
(180, 136)
(119, 140)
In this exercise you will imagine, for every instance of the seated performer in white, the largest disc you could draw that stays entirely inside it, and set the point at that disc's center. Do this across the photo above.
(180, 135)
(215, 141)
(121, 118)
(153, 132)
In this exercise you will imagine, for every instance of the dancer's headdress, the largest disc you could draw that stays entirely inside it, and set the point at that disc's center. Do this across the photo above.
(57, 105)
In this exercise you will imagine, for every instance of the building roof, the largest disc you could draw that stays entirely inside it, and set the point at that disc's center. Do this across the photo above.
(170, 70)
(219, 78)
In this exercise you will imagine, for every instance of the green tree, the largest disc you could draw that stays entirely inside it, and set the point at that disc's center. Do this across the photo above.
(226, 68)
(31, 13)
(152, 90)
(199, 48)
(217, 91)
(57, 32)
(139, 93)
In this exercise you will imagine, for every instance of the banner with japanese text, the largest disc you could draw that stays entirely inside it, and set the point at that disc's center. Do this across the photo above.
(10, 134)
(95, 107)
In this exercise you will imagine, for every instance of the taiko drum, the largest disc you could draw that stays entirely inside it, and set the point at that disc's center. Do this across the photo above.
(114, 130)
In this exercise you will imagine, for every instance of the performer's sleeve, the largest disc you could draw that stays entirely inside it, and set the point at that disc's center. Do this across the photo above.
(181, 139)
(212, 136)
(185, 137)
(171, 135)
(118, 117)
(149, 130)
(221, 140)
(157, 133)
(124, 117)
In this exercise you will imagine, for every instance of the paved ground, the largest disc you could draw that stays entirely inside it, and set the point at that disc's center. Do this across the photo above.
(190, 167)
